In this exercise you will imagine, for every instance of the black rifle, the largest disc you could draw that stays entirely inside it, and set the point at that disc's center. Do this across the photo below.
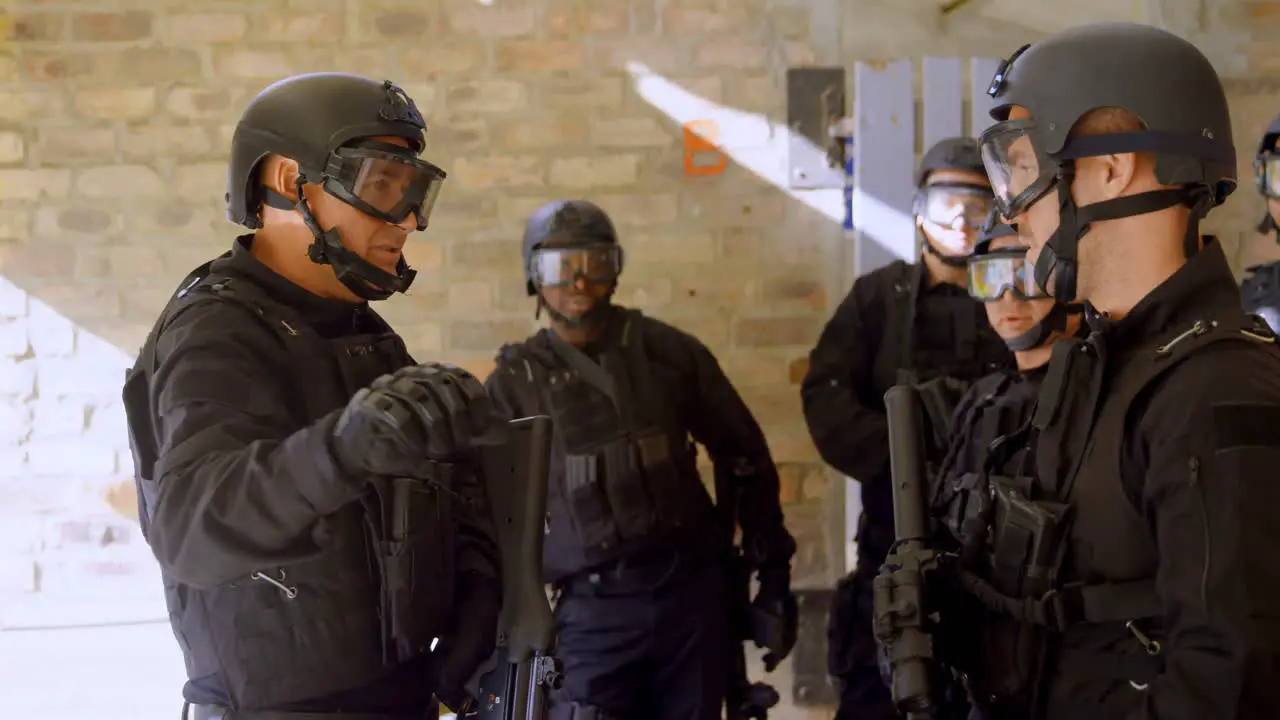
(900, 619)
(745, 700)
(516, 680)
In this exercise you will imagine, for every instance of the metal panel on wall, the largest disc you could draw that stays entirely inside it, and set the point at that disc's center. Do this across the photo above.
(884, 158)
(815, 102)
(943, 106)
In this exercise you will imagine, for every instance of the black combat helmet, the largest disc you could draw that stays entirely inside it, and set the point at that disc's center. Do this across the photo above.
(949, 203)
(958, 153)
(568, 239)
(327, 123)
(1163, 80)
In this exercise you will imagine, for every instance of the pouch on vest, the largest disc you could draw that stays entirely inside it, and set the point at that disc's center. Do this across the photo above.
(586, 501)
(410, 523)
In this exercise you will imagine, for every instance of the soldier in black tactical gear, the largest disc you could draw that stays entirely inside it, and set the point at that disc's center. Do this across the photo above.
(989, 457)
(635, 548)
(1148, 533)
(305, 484)
(1261, 288)
(904, 323)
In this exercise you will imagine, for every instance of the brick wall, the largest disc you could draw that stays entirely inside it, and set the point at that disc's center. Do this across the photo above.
(115, 118)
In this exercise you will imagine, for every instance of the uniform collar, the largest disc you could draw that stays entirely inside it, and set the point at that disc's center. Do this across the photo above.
(330, 316)
(1203, 287)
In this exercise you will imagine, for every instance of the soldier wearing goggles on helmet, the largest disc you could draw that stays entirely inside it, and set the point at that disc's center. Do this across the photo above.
(1261, 287)
(903, 323)
(306, 485)
(1148, 527)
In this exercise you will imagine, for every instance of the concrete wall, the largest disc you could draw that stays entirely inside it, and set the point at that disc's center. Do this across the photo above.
(115, 118)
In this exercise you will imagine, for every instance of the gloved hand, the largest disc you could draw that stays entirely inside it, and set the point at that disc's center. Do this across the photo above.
(429, 411)
(774, 616)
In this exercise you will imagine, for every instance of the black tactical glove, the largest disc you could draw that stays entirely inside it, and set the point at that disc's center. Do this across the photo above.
(774, 616)
(418, 413)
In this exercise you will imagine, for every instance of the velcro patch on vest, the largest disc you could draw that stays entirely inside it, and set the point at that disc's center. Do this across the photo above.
(1237, 426)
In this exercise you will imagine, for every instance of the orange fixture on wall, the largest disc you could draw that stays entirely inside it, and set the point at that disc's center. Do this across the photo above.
(702, 156)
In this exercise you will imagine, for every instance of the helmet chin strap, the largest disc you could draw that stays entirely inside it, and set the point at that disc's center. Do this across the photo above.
(955, 261)
(1059, 259)
(1037, 336)
(361, 277)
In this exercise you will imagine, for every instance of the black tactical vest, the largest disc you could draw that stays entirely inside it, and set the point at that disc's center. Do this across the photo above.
(624, 478)
(340, 619)
(1065, 572)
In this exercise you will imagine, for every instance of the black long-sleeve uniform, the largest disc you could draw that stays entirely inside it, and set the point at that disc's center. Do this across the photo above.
(248, 505)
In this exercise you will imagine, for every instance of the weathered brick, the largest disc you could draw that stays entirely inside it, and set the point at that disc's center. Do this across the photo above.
(92, 263)
(149, 142)
(731, 54)
(33, 27)
(498, 171)
(372, 62)
(201, 180)
(119, 181)
(13, 340)
(632, 132)
(29, 103)
(15, 224)
(470, 297)
(680, 20)
(486, 335)
(13, 299)
(656, 53)
(604, 93)
(61, 458)
(424, 340)
(47, 66)
(110, 27)
(645, 209)
(709, 285)
(326, 29)
(463, 134)
(540, 56)
(443, 58)
(495, 22)
(543, 130)
(240, 62)
(594, 172)
(9, 67)
(120, 103)
(138, 261)
(580, 18)
(159, 65)
(13, 148)
(799, 291)
(676, 248)
(487, 96)
(204, 27)
(760, 93)
(48, 260)
(19, 378)
(77, 219)
(34, 184)
(91, 302)
(59, 418)
(711, 328)
(423, 252)
(199, 102)
(75, 145)
(776, 331)
(401, 24)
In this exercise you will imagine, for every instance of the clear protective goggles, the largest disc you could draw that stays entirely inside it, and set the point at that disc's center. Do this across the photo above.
(385, 181)
(1019, 171)
(561, 267)
(1266, 168)
(957, 206)
(1000, 271)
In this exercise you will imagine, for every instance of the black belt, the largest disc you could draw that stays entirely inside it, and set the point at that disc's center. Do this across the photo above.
(217, 712)
(642, 571)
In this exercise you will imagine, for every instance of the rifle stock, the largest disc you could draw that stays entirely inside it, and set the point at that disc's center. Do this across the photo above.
(516, 680)
(744, 699)
(900, 616)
